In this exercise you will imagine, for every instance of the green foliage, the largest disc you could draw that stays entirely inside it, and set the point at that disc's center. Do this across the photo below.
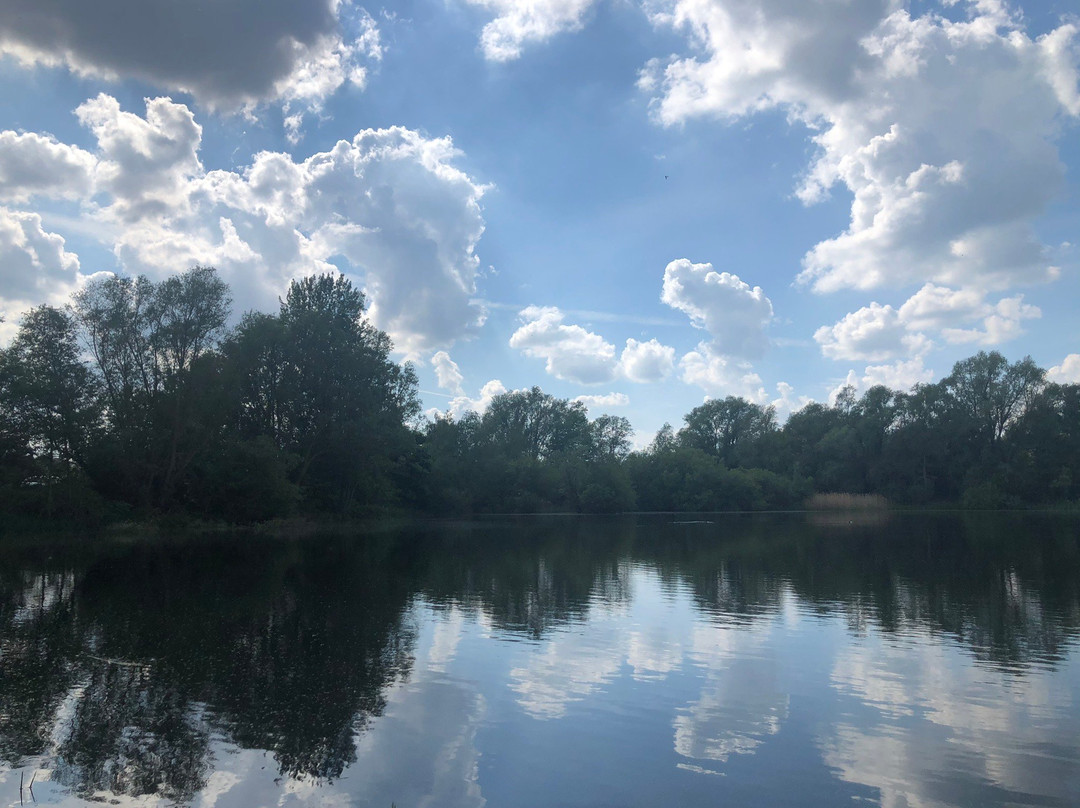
(728, 429)
(305, 409)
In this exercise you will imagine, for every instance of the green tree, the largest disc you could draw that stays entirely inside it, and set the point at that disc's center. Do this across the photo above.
(153, 347)
(611, 436)
(318, 380)
(535, 425)
(47, 401)
(727, 429)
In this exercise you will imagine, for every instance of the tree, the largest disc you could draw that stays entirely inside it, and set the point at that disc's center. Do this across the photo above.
(664, 441)
(318, 380)
(47, 399)
(611, 437)
(727, 429)
(992, 394)
(536, 425)
(149, 343)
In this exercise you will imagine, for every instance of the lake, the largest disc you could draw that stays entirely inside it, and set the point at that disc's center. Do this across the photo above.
(746, 660)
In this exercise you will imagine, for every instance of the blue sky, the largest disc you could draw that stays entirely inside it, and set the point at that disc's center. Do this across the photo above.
(645, 203)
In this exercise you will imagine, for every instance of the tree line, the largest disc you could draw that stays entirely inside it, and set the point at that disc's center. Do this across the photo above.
(139, 399)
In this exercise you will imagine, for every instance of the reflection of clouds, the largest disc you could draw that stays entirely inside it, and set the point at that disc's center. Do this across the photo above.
(741, 703)
(449, 624)
(654, 653)
(422, 752)
(572, 665)
(940, 723)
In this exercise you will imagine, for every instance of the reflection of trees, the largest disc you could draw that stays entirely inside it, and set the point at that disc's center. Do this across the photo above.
(133, 732)
(290, 646)
(1007, 586)
(287, 647)
(528, 575)
(38, 638)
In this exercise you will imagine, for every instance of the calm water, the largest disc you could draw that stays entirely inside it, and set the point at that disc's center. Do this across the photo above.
(747, 660)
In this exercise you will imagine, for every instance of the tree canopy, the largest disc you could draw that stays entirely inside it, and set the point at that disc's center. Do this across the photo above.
(140, 397)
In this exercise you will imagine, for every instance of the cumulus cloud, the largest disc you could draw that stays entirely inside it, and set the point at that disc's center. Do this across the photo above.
(942, 130)
(734, 314)
(873, 332)
(32, 164)
(879, 333)
(389, 205)
(570, 352)
(608, 400)
(448, 373)
(786, 402)
(900, 375)
(1068, 372)
(229, 54)
(646, 362)
(573, 353)
(36, 265)
(462, 404)
(517, 24)
(1001, 323)
(721, 376)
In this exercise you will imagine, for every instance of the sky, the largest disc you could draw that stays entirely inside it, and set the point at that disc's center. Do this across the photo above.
(643, 204)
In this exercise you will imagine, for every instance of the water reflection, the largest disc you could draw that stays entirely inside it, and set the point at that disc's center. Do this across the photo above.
(922, 661)
(1010, 739)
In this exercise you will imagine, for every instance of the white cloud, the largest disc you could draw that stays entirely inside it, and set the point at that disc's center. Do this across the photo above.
(786, 402)
(36, 265)
(448, 373)
(463, 404)
(145, 164)
(228, 55)
(519, 23)
(573, 353)
(851, 380)
(1068, 372)
(879, 333)
(873, 332)
(943, 131)
(937, 307)
(1001, 324)
(32, 164)
(733, 313)
(902, 375)
(389, 202)
(721, 376)
(646, 362)
(570, 352)
(608, 400)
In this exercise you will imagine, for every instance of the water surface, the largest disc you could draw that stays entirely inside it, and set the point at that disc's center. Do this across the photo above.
(761, 660)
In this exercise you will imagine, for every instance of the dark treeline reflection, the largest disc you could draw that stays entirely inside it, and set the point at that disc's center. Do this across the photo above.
(122, 663)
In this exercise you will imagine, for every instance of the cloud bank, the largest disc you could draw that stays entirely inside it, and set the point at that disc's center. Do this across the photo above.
(388, 206)
(228, 54)
(943, 130)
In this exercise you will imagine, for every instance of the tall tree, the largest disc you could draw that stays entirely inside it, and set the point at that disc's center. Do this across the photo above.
(47, 399)
(149, 342)
(992, 393)
(727, 428)
(318, 379)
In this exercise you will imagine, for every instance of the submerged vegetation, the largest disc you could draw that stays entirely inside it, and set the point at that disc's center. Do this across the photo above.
(137, 399)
